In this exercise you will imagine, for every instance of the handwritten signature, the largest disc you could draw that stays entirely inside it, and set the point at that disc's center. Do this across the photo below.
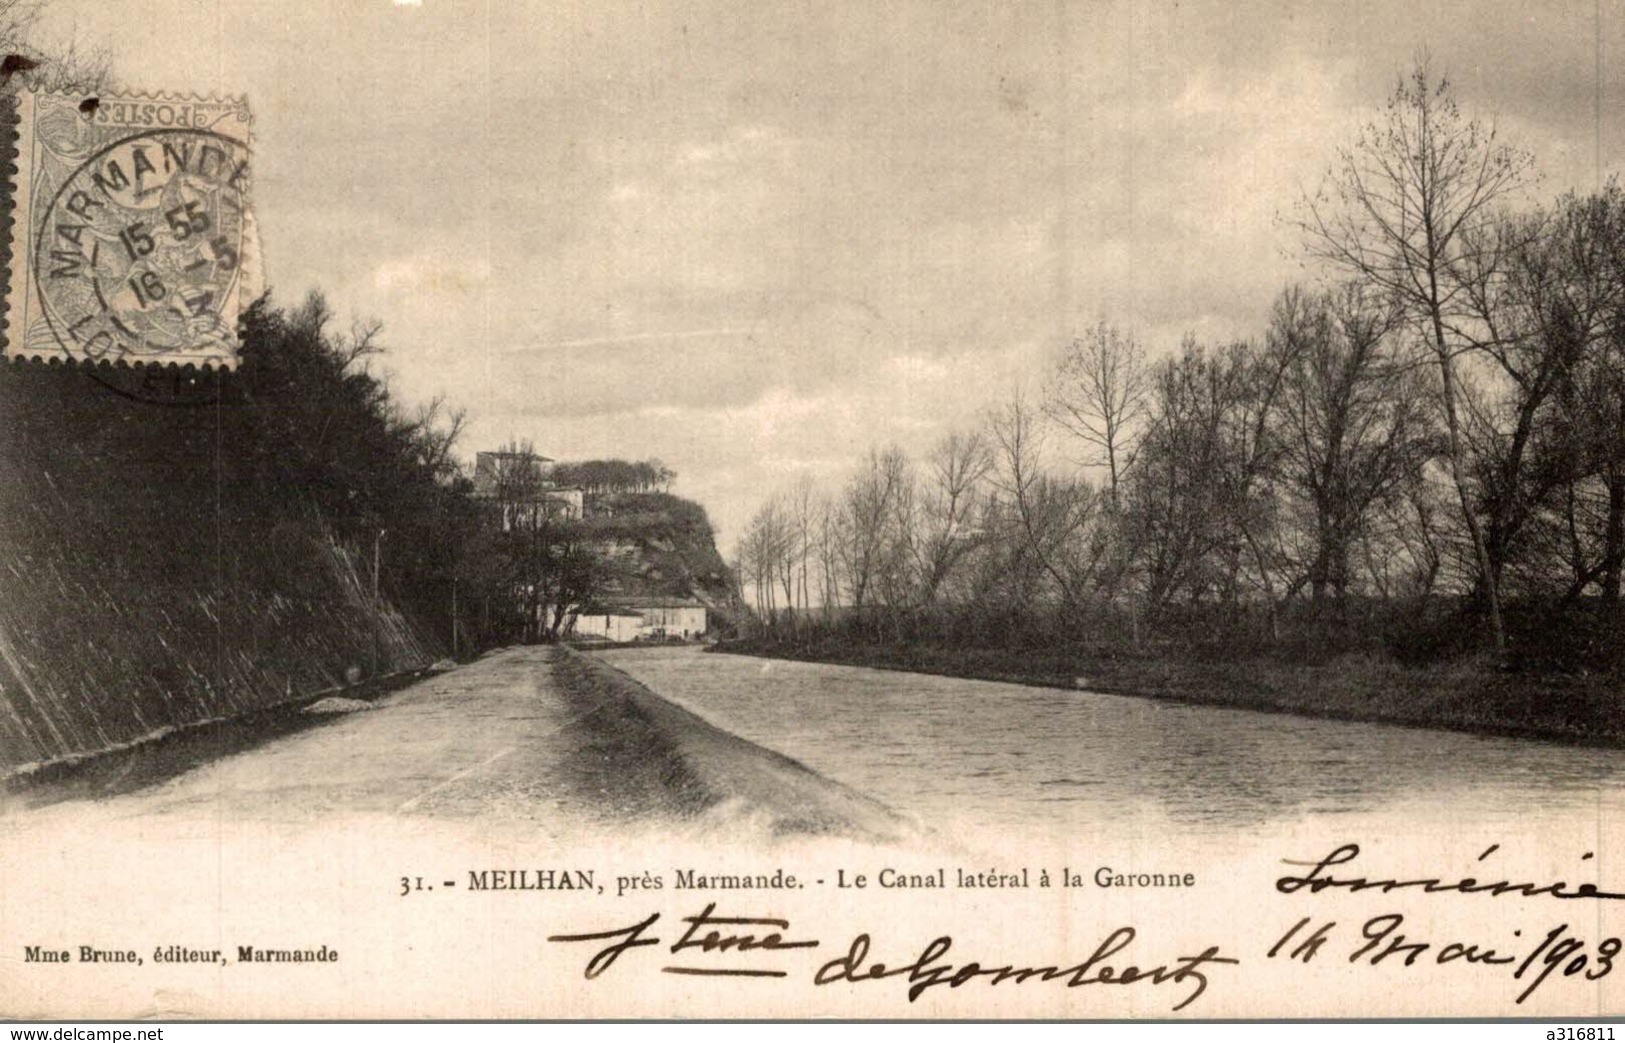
(709, 934)
(756, 946)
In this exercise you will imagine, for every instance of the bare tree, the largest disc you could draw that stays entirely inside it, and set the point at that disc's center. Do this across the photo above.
(1603, 395)
(745, 573)
(1542, 312)
(766, 554)
(949, 507)
(830, 540)
(802, 501)
(1049, 515)
(1400, 209)
(1199, 513)
(434, 430)
(1559, 462)
(1098, 393)
(786, 547)
(869, 507)
(361, 343)
(1350, 422)
(70, 67)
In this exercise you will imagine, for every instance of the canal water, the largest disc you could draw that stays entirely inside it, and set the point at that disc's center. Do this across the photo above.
(978, 756)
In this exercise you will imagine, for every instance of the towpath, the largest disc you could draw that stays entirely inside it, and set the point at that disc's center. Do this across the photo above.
(544, 739)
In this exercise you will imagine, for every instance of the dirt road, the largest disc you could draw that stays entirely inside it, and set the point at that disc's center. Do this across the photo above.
(545, 738)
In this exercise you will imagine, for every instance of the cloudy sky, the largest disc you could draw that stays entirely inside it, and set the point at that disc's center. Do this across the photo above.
(755, 238)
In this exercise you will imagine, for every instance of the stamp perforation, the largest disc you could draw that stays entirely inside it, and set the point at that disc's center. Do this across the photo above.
(139, 122)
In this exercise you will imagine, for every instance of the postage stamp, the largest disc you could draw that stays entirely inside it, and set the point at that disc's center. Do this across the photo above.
(132, 238)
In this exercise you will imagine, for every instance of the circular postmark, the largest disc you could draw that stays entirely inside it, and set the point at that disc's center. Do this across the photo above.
(141, 247)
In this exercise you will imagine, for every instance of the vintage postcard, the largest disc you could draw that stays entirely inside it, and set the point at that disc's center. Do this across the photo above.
(925, 510)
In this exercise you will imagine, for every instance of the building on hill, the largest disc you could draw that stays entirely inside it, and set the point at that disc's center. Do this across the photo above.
(644, 619)
(494, 465)
(524, 485)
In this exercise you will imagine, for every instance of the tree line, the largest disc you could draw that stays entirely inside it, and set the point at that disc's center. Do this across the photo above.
(323, 445)
(326, 446)
(1426, 446)
(314, 450)
(596, 477)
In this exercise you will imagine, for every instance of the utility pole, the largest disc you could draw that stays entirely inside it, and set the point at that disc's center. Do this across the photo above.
(377, 605)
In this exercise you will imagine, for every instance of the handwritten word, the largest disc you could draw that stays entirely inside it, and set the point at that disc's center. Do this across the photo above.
(1318, 879)
(1106, 965)
(926, 971)
(731, 941)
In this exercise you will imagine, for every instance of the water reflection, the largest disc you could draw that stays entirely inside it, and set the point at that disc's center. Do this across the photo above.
(983, 754)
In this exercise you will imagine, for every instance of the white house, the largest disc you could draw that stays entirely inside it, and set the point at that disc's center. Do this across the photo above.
(615, 625)
(672, 617)
(644, 619)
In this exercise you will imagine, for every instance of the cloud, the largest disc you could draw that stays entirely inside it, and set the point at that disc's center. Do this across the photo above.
(757, 238)
(431, 273)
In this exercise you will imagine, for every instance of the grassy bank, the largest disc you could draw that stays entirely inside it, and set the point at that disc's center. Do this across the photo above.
(1464, 695)
(686, 768)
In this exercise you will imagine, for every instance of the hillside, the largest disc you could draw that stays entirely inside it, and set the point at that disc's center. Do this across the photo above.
(159, 569)
(658, 545)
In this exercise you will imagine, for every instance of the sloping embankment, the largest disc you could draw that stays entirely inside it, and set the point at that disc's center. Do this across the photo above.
(1465, 696)
(148, 583)
(692, 769)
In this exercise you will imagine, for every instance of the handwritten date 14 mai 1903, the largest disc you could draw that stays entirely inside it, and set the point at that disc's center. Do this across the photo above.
(1530, 957)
